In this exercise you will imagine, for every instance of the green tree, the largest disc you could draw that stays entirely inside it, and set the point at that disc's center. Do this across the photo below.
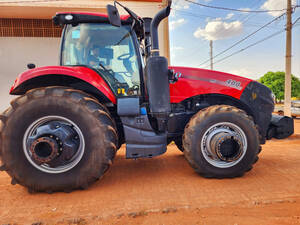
(275, 81)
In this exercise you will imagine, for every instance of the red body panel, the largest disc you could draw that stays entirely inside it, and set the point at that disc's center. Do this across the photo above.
(195, 82)
(192, 82)
(83, 73)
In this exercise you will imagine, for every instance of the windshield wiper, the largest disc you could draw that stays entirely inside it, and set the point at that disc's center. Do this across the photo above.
(105, 69)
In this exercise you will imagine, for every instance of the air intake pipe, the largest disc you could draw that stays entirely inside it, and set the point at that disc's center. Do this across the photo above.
(157, 80)
(164, 13)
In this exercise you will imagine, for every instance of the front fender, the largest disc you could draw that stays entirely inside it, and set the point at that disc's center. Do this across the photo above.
(82, 73)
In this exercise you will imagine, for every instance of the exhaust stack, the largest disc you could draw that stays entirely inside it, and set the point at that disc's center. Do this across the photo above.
(164, 13)
(157, 79)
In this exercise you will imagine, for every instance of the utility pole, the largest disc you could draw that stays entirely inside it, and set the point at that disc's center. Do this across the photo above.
(211, 54)
(288, 60)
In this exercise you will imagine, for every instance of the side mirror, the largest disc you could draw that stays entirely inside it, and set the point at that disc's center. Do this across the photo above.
(113, 15)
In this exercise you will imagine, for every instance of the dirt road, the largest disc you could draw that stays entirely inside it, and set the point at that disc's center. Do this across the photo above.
(165, 190)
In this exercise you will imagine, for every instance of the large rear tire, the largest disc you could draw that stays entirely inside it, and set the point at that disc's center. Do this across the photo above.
(56, 139)
(221, 142)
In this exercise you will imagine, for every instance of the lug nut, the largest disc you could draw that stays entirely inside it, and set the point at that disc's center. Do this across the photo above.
(57, 138)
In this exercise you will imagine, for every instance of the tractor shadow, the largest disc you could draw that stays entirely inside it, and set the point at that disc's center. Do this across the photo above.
(142, 170)
(172, 165)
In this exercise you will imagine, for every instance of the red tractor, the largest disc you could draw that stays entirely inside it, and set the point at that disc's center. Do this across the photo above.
(112, 87)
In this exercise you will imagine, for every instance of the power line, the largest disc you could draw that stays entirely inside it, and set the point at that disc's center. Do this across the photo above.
(203, 17)
(246, 18)
(249, 15)
(240, 41)
(296, 21)
(249, 46)
(193, 14)
(237, 10)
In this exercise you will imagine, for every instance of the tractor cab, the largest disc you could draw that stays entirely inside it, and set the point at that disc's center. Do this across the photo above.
(113, 52)
(110, 45)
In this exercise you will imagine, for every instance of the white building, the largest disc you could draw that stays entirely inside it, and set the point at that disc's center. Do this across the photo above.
(27, 34)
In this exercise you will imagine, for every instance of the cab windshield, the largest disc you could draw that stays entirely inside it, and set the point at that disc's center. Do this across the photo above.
(107, 49)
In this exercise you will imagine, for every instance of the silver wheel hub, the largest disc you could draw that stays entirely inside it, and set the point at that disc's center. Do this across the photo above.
(53, 144)
(224, 145)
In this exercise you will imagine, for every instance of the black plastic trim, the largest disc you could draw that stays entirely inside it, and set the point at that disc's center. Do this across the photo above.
(128, 106)
(259, 98)
(141, 140)
(61, 45)
(141, 69)
(183, 111)
(280, 127)
(60, 19)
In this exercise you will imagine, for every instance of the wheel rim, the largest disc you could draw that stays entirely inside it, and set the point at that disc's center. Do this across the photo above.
(53, 144)
(224, 145)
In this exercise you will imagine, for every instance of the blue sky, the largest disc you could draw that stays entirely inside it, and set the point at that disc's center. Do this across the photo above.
(192, 26)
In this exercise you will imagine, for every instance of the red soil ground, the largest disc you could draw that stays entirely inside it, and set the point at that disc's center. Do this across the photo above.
(166, 190)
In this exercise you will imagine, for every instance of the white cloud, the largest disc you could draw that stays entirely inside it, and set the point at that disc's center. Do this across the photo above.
(209, 19)
(179, 5)
(177, 48)
(217, 30)
(176, 23)
(173, 13)
(229, 16)
(276, 5)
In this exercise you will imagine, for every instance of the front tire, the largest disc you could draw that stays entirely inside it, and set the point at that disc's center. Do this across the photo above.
(56, 139)
(221, 142)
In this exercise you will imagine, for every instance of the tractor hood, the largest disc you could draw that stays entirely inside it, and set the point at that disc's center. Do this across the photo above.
(193, 81)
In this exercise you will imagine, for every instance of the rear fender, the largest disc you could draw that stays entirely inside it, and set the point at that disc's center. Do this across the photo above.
(81, 78)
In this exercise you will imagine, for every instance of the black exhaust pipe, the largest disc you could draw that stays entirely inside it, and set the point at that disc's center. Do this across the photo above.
(157, 79)
(164, 13)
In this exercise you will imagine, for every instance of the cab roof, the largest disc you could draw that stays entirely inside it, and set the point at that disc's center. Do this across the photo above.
(74, 18)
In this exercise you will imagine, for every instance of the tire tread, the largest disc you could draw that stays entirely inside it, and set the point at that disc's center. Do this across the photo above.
(190, 132)
(82, 99)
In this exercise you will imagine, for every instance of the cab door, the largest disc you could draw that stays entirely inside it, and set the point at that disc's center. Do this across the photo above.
(110, 51)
